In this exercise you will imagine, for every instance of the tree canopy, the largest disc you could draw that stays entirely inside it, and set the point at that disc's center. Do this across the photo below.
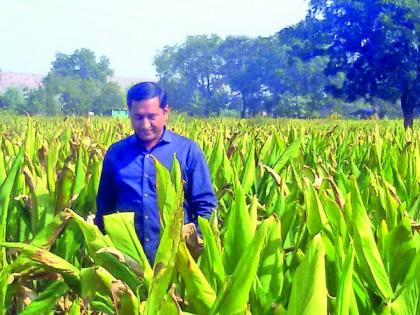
(191, 72)
(345, 56)
(341, 53)
(208, 74)
(375, 44)
(76, 85)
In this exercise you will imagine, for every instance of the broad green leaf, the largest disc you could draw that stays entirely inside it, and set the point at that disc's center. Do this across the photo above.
(80, 173)
(96, 280)
(49, 262)
(249, 171)
(120, 228)
(367, 254)
(399, 251)
(199, 292)
(345, 289)
(121, 266)
(288, 154)
(253, 214)
(92, 187)
(98, 248)
(234, 297)
(316, 218)
(334, 216)
(46, 302)
(125, 301)
(226, 171)
(239, 230)
(408, 302)
(2, 164)
(166, 192)
(5, 196)
(75, 307)
(69, 242)
(63, 188)
(170, 305)
(213, 255)
(30, 139)
(48, 235)
(164, 265)
(94, 238)
(4, 285)
(309, 289)
(176, 175)
(269, 255)
(408, 294)
(216, 156)
(52, 159)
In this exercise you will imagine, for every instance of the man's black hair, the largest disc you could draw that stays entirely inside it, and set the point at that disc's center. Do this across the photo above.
(144, 91)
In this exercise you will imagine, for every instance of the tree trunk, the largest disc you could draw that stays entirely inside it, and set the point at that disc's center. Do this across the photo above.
(243, 111)
(407, 109)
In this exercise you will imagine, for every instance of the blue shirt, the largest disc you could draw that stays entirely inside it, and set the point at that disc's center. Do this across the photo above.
(128, 183)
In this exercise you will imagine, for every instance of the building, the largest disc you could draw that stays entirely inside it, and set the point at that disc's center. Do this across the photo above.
(119, 113)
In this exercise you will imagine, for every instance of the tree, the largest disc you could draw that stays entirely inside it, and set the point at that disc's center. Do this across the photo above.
(296, 84)
(191, 70)
(82, 63)
(268, 75)
(251, 75)
(375, 44)
(110, 97)
(78, 84)
(78, 95)
(35, 102)
(13, 99)
(244, 64)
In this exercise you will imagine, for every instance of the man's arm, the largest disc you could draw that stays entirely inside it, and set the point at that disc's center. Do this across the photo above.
(201, 194)
(106, 198)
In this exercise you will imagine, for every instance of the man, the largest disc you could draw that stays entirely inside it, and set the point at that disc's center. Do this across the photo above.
(128, 179)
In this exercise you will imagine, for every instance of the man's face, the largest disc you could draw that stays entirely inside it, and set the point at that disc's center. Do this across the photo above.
(148, 120)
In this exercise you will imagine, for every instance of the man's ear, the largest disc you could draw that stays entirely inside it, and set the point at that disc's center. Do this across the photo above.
(167, 109)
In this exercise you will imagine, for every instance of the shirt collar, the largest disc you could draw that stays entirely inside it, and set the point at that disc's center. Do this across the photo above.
(166, 136)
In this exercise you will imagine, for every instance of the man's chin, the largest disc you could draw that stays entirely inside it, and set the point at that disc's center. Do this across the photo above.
(145, 135)
(145, 138)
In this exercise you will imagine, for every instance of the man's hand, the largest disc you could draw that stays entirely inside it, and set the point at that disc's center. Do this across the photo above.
(194, 242)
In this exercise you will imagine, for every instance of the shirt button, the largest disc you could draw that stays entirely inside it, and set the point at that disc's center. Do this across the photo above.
(146, 239)
(147, 155)
(145, 175)
(145, 195)
(146, 217)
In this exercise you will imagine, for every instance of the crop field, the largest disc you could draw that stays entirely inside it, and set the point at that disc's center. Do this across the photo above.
(314, 217)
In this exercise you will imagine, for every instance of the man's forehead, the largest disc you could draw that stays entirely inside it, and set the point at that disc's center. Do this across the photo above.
(151, 100)
(147, 103)
(144, 107)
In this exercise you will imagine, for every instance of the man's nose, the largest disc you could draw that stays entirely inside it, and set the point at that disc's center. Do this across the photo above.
(145, 123)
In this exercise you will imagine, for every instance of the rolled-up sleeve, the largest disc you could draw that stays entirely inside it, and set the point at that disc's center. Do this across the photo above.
(106, 197)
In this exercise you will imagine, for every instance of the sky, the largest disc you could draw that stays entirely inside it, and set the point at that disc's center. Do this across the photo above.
(128, 32)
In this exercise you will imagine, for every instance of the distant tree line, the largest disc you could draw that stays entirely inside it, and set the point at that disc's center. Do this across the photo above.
(343, 57)
(208, 75)
(76, 85)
